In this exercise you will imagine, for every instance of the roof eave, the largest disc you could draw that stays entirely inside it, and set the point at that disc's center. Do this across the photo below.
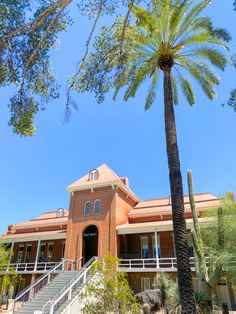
(104, 184)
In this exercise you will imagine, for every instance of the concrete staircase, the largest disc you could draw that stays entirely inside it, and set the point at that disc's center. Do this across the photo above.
(55, 292)
(47, 293)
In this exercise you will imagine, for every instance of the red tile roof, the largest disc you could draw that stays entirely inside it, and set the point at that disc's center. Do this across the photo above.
(162, 206)
(105, 174)
(46, 219)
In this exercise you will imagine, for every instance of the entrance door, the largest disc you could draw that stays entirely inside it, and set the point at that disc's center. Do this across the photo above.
(90, 245)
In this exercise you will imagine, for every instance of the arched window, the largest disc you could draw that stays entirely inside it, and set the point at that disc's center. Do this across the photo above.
(93, 175)
(60, 212)
(97, 206)
(86, 208)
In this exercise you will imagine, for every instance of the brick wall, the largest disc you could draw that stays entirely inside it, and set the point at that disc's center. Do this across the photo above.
(56, 253)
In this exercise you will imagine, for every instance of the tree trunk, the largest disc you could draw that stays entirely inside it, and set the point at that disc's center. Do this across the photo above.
(180, 233)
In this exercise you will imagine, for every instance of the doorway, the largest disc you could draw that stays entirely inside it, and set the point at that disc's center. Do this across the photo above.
(90, 242)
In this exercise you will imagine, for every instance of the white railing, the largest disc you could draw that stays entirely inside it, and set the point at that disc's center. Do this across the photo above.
(29, 292)
(28, 267)
(145, 263)
(66, 293)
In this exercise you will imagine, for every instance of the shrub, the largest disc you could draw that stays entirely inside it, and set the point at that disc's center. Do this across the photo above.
(146, 308)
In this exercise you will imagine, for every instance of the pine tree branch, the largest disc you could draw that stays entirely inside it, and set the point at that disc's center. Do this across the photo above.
(81, 63)
(33, 25)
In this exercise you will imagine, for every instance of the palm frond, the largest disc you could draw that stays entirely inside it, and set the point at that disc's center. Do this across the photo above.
(177, 14)
(222, 34)
(193, 13)
(213, 55)
(203, 74)
(186, 88)
(151, 96)
(138, 78)
(202, 38)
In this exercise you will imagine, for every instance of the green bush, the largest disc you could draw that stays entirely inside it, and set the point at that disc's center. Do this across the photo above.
(146, 309)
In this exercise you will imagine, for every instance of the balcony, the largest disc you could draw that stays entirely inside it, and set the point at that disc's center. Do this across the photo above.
(168, 264)
(151, 264)
(31, 268)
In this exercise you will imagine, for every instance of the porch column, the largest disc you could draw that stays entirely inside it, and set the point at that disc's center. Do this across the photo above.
(156, 249)
(37, 255)
(12, 247)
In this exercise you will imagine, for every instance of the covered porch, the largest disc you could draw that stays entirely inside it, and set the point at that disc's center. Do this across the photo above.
(34, 253)
(149, 247)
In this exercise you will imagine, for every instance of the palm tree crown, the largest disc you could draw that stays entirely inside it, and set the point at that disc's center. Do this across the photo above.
(172, 36)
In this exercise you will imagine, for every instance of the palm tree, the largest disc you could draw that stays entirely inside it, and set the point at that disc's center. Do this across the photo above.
(173, 38)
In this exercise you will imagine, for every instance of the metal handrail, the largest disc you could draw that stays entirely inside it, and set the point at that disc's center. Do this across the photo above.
(29, 266)
(40, 279)
(147, 262)
(59, 295)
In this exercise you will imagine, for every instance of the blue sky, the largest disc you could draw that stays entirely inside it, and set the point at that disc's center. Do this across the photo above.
(35, 171)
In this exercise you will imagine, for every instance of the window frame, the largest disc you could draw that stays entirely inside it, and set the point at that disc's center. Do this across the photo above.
(28, 250)
(85, 208)
(93, 175)
(141, 245)
(60, 213)
(145, 282)
(94, 206)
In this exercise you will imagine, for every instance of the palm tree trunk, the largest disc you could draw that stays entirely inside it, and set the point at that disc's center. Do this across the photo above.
(180, 233)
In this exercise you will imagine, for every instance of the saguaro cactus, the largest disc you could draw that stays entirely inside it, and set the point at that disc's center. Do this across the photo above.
(200, 259)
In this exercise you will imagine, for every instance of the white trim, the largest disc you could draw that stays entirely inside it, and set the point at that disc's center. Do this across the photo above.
(156, 248)
(147, 227)
(104, 184)
(37, 254)
(24, 237)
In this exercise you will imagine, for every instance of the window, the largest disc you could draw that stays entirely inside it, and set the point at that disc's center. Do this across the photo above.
(144, 247)
(190, 246)
(27, 253)
(86, 208)
(93, 175)
(20, 253)
(97, 206)
(145, 284)
(42, 252)
(50, 251)
(60, 212)
(63, 245)
(154, 246)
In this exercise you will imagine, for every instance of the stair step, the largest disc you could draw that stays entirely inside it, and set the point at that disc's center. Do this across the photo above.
(57, 284)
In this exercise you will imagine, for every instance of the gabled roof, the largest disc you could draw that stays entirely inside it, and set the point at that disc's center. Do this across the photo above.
(105, 174)
(106, 177)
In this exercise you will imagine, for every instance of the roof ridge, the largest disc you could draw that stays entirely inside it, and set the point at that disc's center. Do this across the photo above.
(167, 197)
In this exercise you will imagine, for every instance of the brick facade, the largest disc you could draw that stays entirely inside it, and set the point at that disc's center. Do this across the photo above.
(122, 222)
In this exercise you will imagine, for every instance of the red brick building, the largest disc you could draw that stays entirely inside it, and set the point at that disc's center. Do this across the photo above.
(105, 216)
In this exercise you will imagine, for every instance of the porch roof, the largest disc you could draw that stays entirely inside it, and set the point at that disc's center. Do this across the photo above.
(34, 236)
(167, 225)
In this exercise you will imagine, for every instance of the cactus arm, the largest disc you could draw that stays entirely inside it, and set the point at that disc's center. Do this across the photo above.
(195, 243)
(196, 233)
(192, 205)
